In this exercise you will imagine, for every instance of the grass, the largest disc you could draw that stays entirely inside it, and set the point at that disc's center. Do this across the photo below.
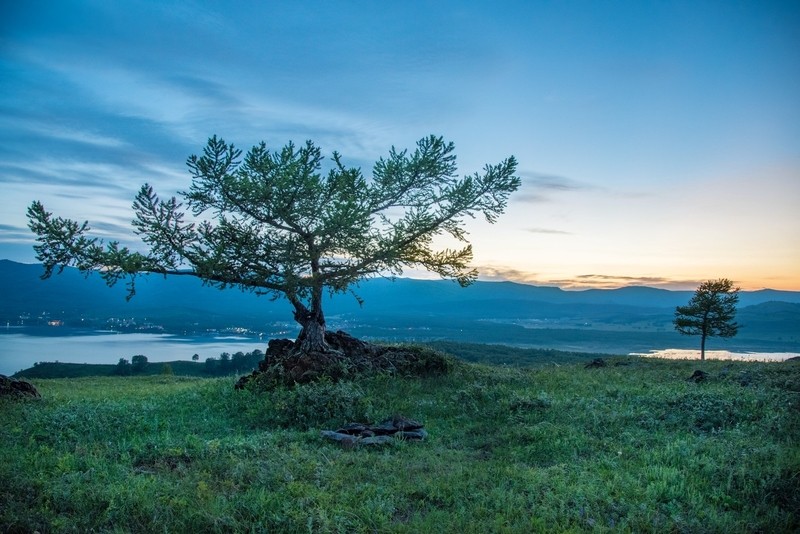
(633, 447)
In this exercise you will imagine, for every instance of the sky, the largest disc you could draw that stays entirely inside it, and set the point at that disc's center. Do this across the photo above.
(658, 142)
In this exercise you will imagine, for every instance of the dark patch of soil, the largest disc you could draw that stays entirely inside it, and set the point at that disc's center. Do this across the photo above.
(347, 357)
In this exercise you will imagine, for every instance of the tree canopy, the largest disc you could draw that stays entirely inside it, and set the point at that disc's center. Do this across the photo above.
(710, 312)
(275, 223)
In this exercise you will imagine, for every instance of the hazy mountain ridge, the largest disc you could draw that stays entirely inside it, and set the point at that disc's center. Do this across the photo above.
(492, 312)
(21, 285)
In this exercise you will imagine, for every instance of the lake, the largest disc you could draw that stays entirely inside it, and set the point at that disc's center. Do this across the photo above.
(20, 351)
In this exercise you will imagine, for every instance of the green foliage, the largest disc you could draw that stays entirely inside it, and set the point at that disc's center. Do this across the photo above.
(123, 368)
(275, 223)
(211, 367)
(625, 448)
(226, 364)
(710, 312)
(138, 363)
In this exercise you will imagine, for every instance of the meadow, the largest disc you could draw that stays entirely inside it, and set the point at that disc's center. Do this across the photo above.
(632, 446)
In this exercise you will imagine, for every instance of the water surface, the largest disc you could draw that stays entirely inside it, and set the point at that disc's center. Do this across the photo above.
(20, 351)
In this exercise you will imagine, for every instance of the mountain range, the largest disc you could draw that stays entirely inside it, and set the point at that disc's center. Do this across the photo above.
(624, 319)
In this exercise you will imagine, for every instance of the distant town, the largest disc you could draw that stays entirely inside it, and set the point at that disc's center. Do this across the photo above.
(144, 325)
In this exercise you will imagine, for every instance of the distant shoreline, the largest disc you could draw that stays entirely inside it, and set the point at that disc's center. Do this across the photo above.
(686, 354)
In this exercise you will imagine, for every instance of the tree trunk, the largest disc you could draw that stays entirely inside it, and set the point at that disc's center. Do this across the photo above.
(703, 347)
(312, 321)
(312, 336)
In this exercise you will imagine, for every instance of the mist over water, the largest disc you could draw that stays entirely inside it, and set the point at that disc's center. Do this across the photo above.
(20, 351)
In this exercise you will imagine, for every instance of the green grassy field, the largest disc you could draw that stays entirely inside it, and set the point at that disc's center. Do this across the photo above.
(633, 447)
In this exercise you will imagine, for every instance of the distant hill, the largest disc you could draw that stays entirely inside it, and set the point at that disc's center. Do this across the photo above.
(629, 318)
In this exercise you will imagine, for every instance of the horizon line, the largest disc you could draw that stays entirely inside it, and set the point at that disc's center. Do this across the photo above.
(571, 285)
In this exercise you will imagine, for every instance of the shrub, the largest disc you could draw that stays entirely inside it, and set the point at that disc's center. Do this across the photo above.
(123, 367)
(138, 363)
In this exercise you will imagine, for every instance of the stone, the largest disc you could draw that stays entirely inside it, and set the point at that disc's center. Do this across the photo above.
(396, 427)
(17, 388)
(404, 423)
(353, 429)
(698, 376)
(344, 439)
(595, 364)
(385, 427)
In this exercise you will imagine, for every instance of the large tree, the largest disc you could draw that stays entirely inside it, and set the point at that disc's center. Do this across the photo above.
(274, 222)
(710, 312)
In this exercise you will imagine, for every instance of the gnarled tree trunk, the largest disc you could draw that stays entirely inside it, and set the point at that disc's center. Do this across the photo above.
(312, 321)
(312, 336)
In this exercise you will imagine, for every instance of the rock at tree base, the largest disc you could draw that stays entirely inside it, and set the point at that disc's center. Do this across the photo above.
(347, 356)
(17, 388)
(397, 427)
(698, 376)
(596, 363)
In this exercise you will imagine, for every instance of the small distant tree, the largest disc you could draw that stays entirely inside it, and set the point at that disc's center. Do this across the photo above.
(138, 363)
(238, 361)
(225, 362)
(210, 366)
(710, 312)
(123, 367)
(275, 223)
(195, 357)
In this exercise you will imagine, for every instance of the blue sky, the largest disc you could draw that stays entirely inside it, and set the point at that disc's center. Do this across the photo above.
(658, 142)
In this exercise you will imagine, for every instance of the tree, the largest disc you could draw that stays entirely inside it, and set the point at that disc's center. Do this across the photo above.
(238, 361)
(138, 363)
(710, 312)
(274, 223)
(123, 367)
(225, 362)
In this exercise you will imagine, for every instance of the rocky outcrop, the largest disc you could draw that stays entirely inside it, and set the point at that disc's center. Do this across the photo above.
(358, 434)
(347, 356)
(11, 387)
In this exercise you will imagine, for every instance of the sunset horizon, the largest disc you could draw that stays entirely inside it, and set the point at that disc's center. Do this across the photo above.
(658, 143)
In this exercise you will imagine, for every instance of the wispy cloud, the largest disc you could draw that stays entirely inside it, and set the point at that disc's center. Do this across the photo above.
(551, 182)
(539, 187)
(57, 132)
(583, 281)
(507, 273)
(606, 281)
(10, 233)
(52, 172)
(550, 231)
